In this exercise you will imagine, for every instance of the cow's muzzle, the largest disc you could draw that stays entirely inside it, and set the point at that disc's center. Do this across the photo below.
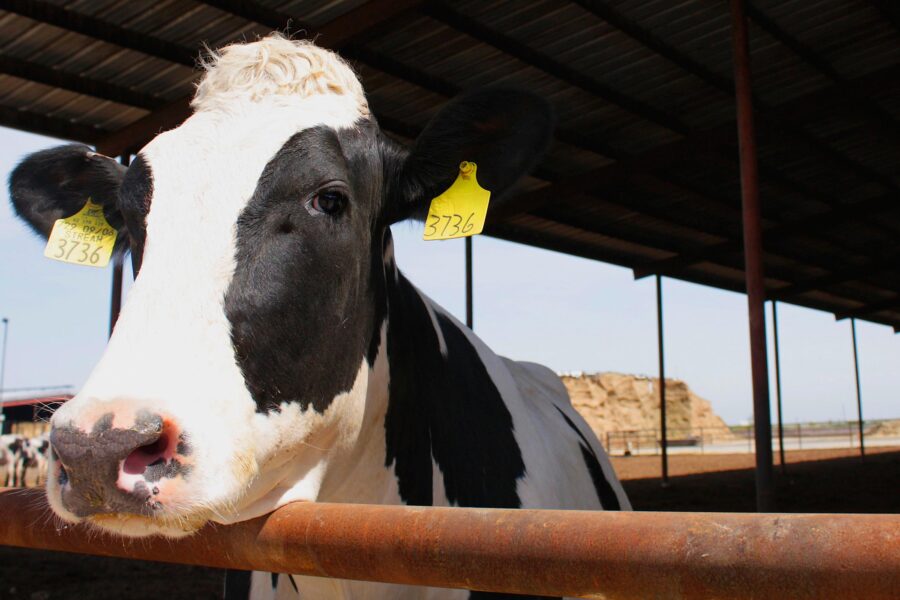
(115, 470)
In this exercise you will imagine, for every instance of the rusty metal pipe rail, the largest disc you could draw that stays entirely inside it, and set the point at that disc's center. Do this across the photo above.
(593, 555)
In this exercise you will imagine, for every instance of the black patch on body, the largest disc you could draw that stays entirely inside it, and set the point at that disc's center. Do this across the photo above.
(605, 492)
(303, 303)
(448, 408)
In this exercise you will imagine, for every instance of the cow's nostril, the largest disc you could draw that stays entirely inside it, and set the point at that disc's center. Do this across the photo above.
(144, 456)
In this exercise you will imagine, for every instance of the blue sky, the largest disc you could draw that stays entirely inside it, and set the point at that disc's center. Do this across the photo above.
(565, 312)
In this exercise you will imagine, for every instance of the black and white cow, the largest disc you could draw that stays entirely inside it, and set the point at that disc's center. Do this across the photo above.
(11, 445)
(269, 350)
(33, 460)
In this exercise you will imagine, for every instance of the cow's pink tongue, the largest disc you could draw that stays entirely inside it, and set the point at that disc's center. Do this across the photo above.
(141, 458)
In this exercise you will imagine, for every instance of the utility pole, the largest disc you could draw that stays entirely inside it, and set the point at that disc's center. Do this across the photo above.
(3, 371)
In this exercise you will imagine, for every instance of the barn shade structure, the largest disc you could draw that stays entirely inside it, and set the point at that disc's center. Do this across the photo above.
(645, 171)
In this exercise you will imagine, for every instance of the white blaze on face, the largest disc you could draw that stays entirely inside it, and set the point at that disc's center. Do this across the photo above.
(171, 352)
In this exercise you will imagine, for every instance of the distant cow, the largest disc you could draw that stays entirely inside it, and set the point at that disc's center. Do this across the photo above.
(32, 459)
(11, 446)
(270, 351)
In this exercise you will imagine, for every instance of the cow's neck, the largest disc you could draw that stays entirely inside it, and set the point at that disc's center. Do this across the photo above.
(433, 413)
(445, 414)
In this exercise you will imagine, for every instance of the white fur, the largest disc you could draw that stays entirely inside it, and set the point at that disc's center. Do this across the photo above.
(275, 66)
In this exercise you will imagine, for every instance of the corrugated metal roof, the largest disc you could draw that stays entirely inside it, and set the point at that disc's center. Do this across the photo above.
(644, 169)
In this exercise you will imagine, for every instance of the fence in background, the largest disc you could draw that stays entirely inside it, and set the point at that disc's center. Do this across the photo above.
(739, 439)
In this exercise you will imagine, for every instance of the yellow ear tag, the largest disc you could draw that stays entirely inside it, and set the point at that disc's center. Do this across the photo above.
(85, 238)
(461, 210)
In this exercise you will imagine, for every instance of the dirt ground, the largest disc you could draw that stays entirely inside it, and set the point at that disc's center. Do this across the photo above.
(815, 481)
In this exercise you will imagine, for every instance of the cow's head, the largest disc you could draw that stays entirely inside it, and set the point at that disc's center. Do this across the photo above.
(246, 356)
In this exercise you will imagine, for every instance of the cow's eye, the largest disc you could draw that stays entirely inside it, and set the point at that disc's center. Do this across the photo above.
(329, 201)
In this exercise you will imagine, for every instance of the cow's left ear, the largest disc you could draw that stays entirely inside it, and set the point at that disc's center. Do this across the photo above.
(56, 183)
(504, 131)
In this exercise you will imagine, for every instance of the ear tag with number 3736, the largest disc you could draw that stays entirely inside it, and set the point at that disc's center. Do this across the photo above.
(85, 238)
(461, 210)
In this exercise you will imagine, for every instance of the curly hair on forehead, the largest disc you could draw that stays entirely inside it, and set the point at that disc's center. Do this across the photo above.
(274, 65)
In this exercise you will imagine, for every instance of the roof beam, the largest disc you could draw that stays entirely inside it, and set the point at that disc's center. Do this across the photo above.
(528, 55)
(522, 233)
(646, 38)
(70, 20)
(707, 141)
(890, 10)
(805, 225)
(507, 44)
(869, 109)
(51, 126)
(256, 12)
(350, 27)
(875, 307)
(884, 262)
(87, 86)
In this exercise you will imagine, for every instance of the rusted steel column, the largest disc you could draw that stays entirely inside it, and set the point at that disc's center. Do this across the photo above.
(115, 301)
(663, 425)
(778, 385)
(470, 310)
(611, 555)
(862, 443)
(753, 260)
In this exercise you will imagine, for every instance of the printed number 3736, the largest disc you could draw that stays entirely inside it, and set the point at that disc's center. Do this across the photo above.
(452, 222)
(65, 249)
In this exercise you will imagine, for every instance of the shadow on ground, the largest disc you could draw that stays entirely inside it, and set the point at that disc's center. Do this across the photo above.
(838, 485)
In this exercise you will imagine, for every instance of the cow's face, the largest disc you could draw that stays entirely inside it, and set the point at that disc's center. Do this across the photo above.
(249, 353)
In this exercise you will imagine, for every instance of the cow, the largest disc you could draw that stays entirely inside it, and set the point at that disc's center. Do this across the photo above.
(10, 451)
(33, 458)
(270, 351)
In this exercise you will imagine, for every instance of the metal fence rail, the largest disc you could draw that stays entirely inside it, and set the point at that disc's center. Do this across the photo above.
(594, 555)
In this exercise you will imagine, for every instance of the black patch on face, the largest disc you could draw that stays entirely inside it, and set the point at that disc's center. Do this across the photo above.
(168, 469)
(605, 492)
(448, 408)
(303, 303)
(183, 448)
(135, 195)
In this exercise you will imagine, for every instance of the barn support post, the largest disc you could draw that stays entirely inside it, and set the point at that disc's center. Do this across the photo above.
(753, 259)
(664, 437)
(862, 443)
(778, 385)
(470, 321)
(118, 258)
(3, 375)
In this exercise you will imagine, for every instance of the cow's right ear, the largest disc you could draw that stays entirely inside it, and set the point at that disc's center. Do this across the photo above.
(56, 183)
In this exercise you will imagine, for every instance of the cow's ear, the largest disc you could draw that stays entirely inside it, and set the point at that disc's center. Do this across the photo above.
(56, 183)
(504, 131)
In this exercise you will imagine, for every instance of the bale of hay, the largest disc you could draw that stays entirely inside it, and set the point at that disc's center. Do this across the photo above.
(617, 402)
